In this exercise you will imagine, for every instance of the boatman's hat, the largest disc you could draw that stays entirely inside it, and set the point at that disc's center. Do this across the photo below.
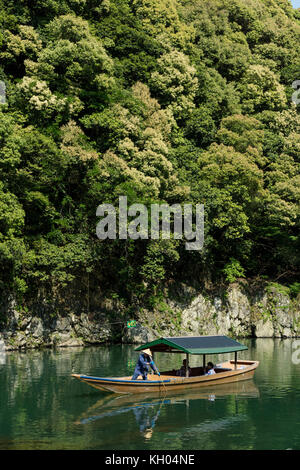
(147, 351)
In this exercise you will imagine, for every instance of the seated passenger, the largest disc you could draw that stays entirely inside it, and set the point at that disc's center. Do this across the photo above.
(182, 371)
(210, 369)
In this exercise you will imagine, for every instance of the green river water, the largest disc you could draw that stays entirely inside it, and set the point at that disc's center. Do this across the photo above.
(42, 407)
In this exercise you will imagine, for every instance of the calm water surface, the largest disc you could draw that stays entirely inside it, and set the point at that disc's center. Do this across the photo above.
(42, 407)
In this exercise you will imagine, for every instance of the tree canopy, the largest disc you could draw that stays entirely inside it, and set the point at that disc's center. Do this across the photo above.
(161, 101)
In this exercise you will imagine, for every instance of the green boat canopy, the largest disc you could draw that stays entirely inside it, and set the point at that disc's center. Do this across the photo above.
(194, 345)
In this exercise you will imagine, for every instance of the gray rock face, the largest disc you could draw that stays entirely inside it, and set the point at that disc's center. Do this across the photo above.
(262, 314)
(237, 312)
(139, 334)
(264, 329)
(26, 330)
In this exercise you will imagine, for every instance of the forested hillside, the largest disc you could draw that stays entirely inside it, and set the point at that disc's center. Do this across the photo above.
(159, 100)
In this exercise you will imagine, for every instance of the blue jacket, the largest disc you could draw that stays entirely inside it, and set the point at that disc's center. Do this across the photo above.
(142, 365)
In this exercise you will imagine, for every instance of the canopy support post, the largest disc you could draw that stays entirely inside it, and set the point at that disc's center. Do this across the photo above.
(235, 360)
(204, 363)
(187, 365)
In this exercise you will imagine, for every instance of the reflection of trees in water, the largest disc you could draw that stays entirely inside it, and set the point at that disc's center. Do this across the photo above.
(35, 385)
(275, 356)
(276, 366)
(218, 424)
(207, 424)
(24, 369)
(209, 434)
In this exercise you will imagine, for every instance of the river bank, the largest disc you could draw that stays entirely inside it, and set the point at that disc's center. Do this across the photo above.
(242, 309)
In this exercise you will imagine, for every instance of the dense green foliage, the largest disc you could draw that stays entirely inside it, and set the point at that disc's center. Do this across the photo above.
(160, 100)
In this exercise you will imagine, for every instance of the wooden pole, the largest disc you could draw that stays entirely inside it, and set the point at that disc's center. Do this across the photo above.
(204, 363)
(235, 359)
(187, 366)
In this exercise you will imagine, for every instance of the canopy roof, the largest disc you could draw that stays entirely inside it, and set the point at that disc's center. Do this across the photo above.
(194, 345)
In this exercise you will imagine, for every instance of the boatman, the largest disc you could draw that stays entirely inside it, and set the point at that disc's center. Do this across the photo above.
(142, 366)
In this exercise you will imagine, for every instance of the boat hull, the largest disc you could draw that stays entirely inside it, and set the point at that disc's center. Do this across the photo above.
(243, 370)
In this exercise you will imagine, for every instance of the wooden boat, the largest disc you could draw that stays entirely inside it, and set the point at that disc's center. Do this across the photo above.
(168, 381)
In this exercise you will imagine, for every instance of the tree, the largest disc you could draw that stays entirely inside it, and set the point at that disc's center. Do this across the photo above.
(260, 89)
(175, 83)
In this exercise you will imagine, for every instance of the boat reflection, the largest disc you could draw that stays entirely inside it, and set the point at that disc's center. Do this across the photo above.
(146, 408)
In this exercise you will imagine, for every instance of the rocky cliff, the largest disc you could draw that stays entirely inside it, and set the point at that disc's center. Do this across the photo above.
(240, 310)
